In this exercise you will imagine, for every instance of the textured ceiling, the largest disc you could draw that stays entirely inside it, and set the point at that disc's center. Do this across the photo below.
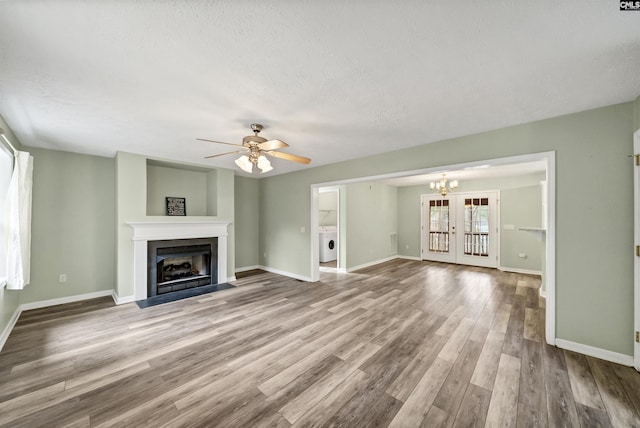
(336, 80)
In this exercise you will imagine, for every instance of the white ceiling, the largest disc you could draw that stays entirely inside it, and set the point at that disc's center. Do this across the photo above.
(336, 80)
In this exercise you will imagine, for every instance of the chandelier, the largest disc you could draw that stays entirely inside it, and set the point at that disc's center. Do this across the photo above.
(443, 186)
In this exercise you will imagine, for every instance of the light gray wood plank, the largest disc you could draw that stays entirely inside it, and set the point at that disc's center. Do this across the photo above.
(504, 399)
(419, 401)
(485, 371)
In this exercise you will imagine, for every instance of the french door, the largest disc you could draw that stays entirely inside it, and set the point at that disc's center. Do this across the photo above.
(460, 228)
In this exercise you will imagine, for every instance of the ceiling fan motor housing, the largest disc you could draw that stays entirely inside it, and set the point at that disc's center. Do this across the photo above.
(252, 140)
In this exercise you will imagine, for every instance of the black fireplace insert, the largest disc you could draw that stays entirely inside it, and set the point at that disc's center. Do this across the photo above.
(179, 264)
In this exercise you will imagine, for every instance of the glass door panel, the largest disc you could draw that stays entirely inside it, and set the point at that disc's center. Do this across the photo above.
(438, 228)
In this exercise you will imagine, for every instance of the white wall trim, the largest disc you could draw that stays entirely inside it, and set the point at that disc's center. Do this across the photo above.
(63, 300)
(375, 262)
(285, 273)
(636, 260)
(231, 278)
(517, 270)
(543, 293)
(45, 304)
(603, 354)
(418, 259)
(247, 268)
(12, 323)
(122, 300)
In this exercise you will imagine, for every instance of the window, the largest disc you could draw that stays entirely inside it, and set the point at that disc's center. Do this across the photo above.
(476, 227)
(439, 226)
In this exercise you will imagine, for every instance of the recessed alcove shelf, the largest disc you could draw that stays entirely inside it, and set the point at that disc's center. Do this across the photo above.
(537, 231)
(198, 185)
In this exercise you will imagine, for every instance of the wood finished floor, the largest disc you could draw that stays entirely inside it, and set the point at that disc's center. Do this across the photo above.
(401, 344)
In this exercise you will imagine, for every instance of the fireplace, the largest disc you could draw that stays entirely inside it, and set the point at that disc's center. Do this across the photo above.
(150, 230)
(179, 264)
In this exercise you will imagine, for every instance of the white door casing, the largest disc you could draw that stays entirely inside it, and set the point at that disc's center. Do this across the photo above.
(636, 259)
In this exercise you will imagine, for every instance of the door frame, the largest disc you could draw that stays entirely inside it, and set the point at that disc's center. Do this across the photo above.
(455, 196)
(548, 157)
(339, 223)
(636, 259)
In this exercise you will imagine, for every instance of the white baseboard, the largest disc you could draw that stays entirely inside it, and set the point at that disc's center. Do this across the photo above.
(524, 271)
(285, 273)
(231, 278)
(248, 268)
(418, 259)
(603, 354)
(7, 331)
(122, 300)
(375, 262)
(44, 304)
(63, 300)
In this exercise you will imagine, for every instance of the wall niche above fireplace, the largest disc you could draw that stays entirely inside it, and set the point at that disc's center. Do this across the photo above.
(178, 264)
(197, 185)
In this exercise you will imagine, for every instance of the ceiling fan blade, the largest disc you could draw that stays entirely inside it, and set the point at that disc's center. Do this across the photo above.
(289, 157)
(219, 142)
(227, 153)
(272, 145)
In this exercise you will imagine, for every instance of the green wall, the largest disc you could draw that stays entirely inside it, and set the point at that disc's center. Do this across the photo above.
(521, 207)
(131, 204)
(72, 225)
(247, 198)
(165, 181)
(594, 271)
(372, 217)
(328, 208)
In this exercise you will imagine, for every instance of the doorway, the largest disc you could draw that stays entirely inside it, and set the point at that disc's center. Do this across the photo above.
(329, 237)
(548, 234)
(461, 228)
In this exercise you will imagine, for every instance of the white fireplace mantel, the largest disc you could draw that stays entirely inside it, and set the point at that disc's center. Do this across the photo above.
(145, 231)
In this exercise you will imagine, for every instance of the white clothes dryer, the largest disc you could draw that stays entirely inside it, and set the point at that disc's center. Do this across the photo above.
(328, 244)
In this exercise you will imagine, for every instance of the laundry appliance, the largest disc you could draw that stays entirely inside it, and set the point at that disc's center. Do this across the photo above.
(328, 243)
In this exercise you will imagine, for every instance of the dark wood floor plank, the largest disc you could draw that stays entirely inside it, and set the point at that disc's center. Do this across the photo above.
(561, 406)
(532, 403)
(615, 399)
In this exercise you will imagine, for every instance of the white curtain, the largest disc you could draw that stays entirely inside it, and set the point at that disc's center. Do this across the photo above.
(18, 222)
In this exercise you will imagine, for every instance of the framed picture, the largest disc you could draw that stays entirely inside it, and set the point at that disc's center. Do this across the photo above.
(176, 206)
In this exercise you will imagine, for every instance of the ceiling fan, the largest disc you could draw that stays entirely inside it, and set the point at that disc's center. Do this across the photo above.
(256, 149)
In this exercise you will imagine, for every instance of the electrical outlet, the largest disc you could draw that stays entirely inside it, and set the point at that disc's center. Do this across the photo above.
(522, 255)
(63, 277)
(302, 229)
(265, 254)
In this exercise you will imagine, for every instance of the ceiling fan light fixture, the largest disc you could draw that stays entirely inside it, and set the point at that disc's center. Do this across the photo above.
(245, 164)
(264, 164)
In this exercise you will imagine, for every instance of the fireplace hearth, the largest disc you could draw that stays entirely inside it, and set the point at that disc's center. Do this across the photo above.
(180, 264)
